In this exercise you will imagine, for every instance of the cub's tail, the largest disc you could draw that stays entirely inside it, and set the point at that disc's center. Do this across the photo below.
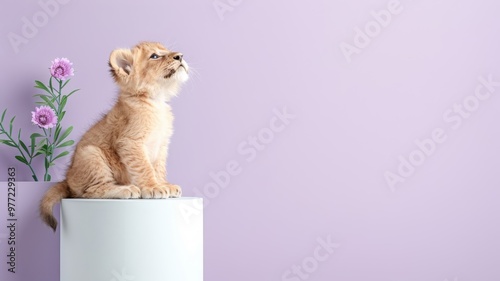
(52, 197)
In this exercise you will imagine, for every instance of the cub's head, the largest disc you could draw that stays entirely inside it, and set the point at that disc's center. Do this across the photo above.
(149, 69)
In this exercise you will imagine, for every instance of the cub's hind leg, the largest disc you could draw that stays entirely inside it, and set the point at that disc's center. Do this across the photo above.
(91, 176)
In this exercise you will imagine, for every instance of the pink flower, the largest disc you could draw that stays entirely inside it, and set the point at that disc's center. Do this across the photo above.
(61, 68)
(44, 117)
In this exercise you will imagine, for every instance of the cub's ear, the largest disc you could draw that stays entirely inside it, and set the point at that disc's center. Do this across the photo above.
(120, 63)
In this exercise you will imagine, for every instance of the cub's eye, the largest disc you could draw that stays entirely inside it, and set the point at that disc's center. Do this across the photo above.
(154, 56)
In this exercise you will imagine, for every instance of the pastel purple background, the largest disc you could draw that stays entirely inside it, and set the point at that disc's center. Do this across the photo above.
(324, 173)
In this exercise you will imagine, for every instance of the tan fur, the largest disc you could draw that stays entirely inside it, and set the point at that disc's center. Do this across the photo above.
(124, 154)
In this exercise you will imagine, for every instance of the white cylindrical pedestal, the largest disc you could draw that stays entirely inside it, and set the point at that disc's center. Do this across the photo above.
(132, 240)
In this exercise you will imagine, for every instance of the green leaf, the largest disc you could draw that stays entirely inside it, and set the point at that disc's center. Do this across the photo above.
(41, 143)
(11, 125)
(58, 131)
(65, 83)
(48, 102)
(66, 143)
(72, 92)
(40, 95)
(63, 102)
(62, 116)
(21, 159)
(32, 145)
(65, 134)
(7, 142)
(44, 149)
(42, 86)
(23, 145)
(36, 135)
(50, 85)
(64, 153)
(3, 115)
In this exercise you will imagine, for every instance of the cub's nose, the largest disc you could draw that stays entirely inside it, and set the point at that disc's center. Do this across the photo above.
(178, 56)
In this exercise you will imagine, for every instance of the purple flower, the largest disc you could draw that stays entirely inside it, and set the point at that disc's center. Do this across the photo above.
(44, 117)
(61, 68)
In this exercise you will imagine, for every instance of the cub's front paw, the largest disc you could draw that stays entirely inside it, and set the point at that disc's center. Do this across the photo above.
(155, 192)
(174, 190)
(127, 192)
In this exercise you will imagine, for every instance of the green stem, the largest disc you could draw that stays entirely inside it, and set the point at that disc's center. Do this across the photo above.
(59, 103)
(51, 145)
(48, 154)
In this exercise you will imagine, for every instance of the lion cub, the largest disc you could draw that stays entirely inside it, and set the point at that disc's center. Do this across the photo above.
(124, 154)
